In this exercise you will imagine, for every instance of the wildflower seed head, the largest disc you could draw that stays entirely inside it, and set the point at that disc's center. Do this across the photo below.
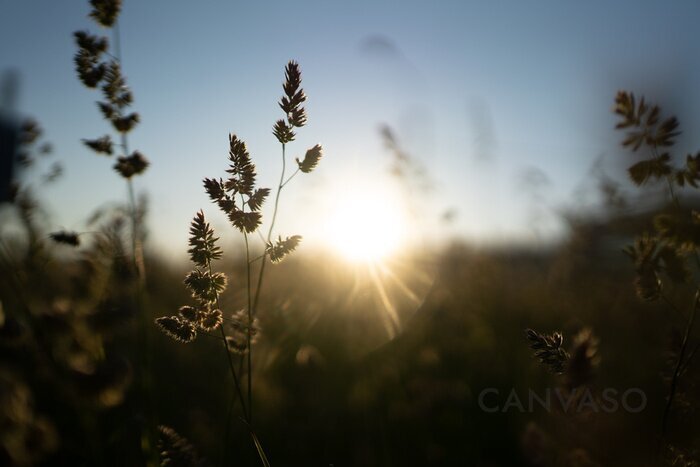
(311, 159)
(101, 145)
(190, 313)
(125, 124)
(256, 200)
(548, 350)
(203, 249)
(246, 222)
(690, 174)
(652, 257)
(626, 108)
(643, 251)
(292, 84)
(90, 72)
(211, 320)
(114, 88)
(215, 189)
(652, 169)
(283, 132)
(241, 168)
(666, 132)
(177, 328)
(93, 45)
(297, 117)
(107, 110)
(644, 123)
(239, 323)
(135, 164)
(281, 248)
(217, 193)
(176, 451)
(294, 96)
(237, 344)
(105, 12)
(87, 60)
(237, 329)
(205, 286)
(227, 204)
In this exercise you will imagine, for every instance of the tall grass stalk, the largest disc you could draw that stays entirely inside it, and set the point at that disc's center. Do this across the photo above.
(680, 361)
(677, 370)
(94, 71)
(261, 274)
(664, 255)
(241, 201)
(145, 348)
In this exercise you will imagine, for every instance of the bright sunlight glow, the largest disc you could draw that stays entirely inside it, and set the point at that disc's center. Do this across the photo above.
(366, 226)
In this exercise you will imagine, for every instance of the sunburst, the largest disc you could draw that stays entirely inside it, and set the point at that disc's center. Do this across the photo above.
(367, 225)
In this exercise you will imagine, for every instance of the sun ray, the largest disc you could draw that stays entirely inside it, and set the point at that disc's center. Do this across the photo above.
(421, 272)
(391, 317)
(367, 224)
(399, 283)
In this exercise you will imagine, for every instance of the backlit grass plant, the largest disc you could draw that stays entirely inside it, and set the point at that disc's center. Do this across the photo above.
(663, 257)
(577, 366)
(241, 201)
(100, 66)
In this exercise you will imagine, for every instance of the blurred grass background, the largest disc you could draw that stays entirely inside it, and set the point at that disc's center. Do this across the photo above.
(330, 386)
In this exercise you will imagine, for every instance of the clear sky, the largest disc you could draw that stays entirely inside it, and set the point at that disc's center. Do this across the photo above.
(507, 104)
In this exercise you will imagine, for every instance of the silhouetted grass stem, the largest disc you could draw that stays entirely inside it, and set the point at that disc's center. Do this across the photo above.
(262, 265)
(677, 370)
(236, 381)
(148, 440)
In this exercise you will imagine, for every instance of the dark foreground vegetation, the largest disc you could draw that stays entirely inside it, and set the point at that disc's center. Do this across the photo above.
(326, 393)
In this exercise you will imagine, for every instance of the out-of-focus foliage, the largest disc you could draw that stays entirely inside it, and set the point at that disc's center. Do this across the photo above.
(96, 64)
(663, 259)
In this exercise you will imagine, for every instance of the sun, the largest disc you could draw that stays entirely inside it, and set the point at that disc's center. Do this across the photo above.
(366, 225)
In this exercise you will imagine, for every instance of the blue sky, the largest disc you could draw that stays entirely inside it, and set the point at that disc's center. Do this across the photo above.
(481, 93)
